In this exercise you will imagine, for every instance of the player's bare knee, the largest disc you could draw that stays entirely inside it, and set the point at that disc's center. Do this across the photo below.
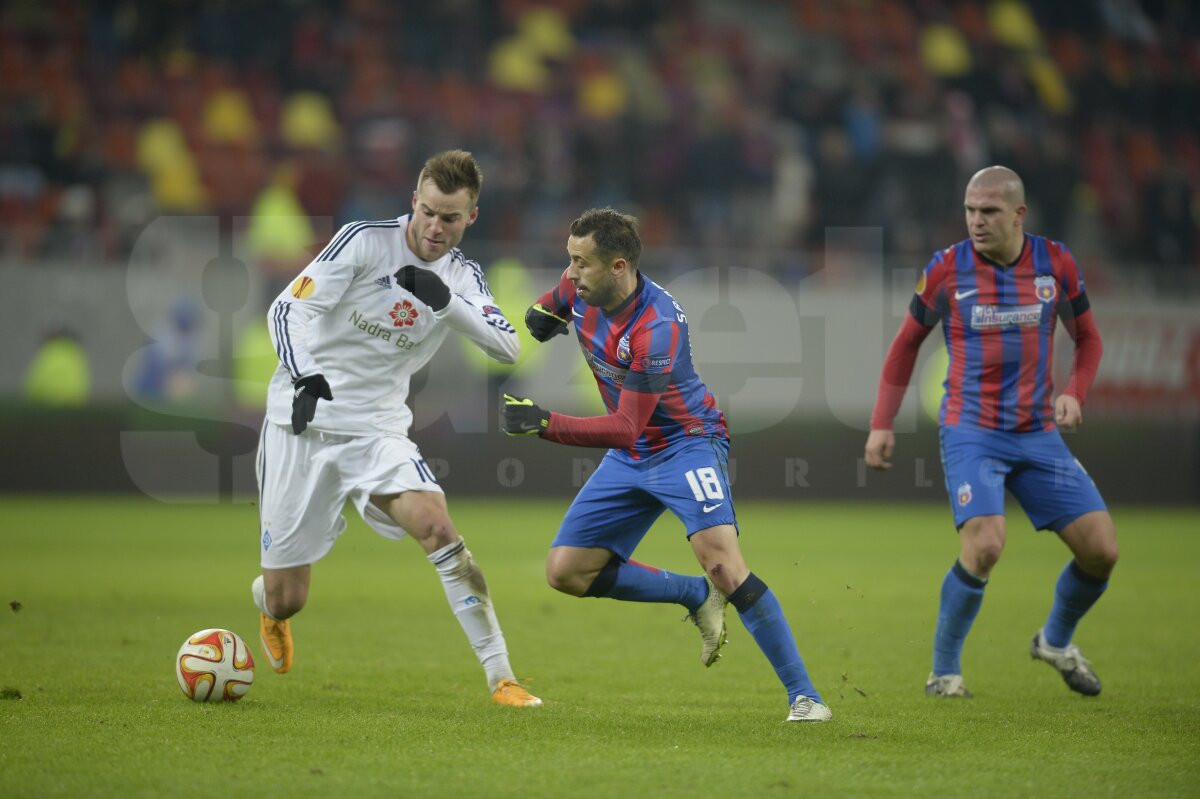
(567, 581)
(1108, 550)
(726, 576)
(983, 557)
(982, 544)
(1093, 540)
(1101, 559)
(436, 534)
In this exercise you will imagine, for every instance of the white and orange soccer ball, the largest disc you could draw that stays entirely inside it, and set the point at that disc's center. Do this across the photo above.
(214, 666)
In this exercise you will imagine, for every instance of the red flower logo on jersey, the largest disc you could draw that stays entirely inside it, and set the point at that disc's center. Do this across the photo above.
(403, 314)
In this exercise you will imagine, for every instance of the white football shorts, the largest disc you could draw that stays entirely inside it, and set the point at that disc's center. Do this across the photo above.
(304, 482)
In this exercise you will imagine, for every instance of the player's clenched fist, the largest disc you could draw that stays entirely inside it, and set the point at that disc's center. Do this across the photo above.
(521, 417)
(1067, 412)
(424, 285)
(543, 323)
(880, 444)
(305, 393)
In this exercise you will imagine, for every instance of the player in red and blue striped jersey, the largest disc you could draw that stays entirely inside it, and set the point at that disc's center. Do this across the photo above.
(641, 345)
(668, 450)
(998, 295)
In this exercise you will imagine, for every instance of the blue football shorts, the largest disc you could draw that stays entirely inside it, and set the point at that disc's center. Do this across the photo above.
(1037, 468)
(623, 497)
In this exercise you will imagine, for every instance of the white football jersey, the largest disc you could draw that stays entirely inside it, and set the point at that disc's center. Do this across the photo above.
(345, 317)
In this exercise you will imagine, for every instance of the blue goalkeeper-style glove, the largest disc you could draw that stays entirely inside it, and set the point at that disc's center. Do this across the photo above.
(424, 285)
(521, 417)
(305, 393)
(543, 323)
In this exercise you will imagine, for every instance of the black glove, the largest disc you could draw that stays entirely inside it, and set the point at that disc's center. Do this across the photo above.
(305, 393)
(543, 323)
(425, 285)
(522, 418)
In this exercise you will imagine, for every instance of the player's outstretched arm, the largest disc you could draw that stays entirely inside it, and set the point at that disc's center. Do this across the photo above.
(472, 312)
(880, 445)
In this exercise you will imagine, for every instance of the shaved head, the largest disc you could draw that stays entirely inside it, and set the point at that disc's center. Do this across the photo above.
(1002, 178)
(995, 209)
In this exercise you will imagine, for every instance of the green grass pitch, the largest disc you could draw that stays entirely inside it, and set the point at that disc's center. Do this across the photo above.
(386, 698)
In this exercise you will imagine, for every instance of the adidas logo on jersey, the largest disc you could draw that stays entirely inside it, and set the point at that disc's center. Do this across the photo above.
(384, 282)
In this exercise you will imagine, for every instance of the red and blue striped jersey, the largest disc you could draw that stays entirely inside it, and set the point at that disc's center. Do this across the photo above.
(999, 324)
(643, 346)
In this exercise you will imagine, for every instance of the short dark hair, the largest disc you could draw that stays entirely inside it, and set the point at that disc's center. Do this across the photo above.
(453, 170)
(615, 233)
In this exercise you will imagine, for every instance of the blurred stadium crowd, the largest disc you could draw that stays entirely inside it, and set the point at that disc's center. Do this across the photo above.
(722, 124)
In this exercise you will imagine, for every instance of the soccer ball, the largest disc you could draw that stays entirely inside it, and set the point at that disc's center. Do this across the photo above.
(214, 666)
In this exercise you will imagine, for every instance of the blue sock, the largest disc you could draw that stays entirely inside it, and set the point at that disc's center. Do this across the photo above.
(763, 616)
(962, 594)
(1074, 595)
(637, 582)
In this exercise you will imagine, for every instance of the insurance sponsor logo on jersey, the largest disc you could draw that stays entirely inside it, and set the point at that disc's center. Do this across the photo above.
(403, 314)
(1045, 288)
(303, 287)
(963, 494)
(604, 370)
(623, 353)
(986, 317)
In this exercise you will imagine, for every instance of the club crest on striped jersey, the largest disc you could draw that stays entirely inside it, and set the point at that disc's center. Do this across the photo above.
(303, 287)
(403, 314)
(1045, 288)
(623, 353)
(963, 494)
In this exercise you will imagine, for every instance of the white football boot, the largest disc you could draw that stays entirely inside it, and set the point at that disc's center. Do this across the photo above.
(709, 618)
(805, 709)
(1075, 669)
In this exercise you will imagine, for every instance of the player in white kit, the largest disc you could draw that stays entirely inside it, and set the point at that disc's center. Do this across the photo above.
(370, 310)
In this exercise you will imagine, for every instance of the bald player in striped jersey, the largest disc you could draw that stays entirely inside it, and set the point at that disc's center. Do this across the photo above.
(370, 310)
(998, 295)
(669, 450)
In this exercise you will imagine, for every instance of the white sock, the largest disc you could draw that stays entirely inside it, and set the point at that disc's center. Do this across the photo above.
(260, 596)
(467, 592)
